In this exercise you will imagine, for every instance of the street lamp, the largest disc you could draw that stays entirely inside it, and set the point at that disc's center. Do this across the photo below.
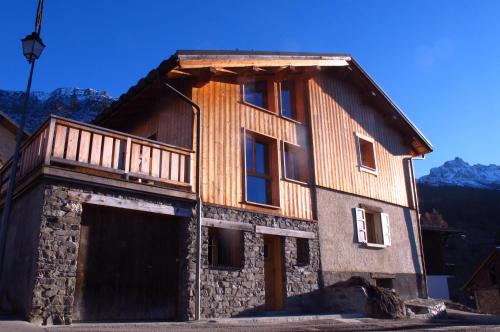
(32, 49)
(32, 46)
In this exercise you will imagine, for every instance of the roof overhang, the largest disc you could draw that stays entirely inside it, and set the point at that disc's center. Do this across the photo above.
(11, 125)
(205, 65)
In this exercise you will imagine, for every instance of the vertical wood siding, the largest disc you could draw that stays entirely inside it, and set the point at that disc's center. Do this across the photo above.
(223, 123)
(337, 113)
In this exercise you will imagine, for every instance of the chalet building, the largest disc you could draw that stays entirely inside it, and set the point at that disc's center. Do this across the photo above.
(483, 283)
(300, 164)
(8, 132)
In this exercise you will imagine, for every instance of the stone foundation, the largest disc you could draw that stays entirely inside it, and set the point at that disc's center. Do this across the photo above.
(237, 292)
(55, 254)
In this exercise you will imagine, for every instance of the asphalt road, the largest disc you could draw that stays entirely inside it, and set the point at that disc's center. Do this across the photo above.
(457, 321)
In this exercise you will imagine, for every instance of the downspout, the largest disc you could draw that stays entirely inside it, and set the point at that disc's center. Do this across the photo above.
(417, 210)
(198, 195)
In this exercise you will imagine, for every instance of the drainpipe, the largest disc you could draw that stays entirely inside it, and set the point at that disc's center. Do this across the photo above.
(417, 210)
(198, 195)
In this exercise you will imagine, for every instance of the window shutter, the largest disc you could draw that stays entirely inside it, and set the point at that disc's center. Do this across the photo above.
(386, 228)
(361, 225)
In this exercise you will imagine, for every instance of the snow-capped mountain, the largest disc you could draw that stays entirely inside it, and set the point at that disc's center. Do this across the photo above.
(459, 173)
(74, 103)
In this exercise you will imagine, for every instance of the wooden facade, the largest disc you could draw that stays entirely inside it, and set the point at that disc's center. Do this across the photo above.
(334, 113)
(225, 120)
(338, 112)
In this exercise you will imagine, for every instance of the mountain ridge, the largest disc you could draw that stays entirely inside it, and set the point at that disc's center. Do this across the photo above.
(459, 173)
(73, 103)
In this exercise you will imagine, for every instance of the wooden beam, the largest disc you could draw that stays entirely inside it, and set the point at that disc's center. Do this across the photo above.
(284, 232)
(204, 76)
(232, 63)
(118, 184)
(283, 72)
(129, 204)
(209, 222)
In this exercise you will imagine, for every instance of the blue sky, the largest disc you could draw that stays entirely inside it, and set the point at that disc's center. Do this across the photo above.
(438, 60)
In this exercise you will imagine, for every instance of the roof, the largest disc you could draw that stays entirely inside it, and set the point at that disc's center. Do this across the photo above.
(10, 124)
(223, 60)
(485, 262)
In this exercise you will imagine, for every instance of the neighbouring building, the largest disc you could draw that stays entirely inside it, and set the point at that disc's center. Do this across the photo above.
(8, 132)
(483, 283)
(306, 180)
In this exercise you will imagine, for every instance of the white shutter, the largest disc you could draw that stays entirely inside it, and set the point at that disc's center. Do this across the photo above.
(386, 228)
(361, 225)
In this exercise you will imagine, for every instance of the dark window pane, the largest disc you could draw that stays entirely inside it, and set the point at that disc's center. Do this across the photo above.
(224, 248)
(367, 153)
(261, 158)
(256, 93)
(249, 152)
(302, 251)
(258, 190)
(288, 99)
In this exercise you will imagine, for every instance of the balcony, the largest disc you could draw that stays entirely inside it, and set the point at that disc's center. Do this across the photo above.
(66, 148)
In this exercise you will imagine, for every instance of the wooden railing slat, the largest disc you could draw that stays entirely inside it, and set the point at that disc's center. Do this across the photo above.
(95, 149)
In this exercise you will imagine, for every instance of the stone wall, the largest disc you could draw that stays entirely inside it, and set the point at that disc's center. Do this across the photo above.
(56, 259)
(227, 293)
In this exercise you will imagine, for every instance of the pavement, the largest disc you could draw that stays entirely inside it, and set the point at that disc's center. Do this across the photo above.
(456, 321)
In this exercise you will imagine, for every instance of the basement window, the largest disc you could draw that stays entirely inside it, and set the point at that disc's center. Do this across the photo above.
(225, 248)
(366, 154)
(256, 93)
(302, 252)
(373, 228)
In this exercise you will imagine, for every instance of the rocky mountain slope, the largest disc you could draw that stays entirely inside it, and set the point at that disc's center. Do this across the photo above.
(74, 103)
(461, 174)
(465, 198)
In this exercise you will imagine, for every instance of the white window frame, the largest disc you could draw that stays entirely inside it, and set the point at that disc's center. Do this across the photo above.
(362, 167)
(361, 228)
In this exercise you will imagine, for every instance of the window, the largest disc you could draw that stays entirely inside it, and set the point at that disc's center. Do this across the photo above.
(288, 99)
(366, 153)
(373, 227)
(255, 93)
(225, 248)
(260, 177)
(302, 251)
(384, 283)
(295, 163)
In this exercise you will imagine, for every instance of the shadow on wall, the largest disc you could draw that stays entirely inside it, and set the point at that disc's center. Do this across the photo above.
(414, 251)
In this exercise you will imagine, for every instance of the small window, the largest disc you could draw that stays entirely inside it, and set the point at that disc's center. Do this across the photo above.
(367, 153)
(225, 248)
(373, 227)
(260, 176)
(255, 93)
(302, 251)
(288, 99)
(384, 283)
(295, 162)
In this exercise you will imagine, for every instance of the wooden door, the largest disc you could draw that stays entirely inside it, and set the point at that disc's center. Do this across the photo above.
(273, 272)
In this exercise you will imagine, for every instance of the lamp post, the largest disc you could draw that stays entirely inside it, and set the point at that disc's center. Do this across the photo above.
(32, 49)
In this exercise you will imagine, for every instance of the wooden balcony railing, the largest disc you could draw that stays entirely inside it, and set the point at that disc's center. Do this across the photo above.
(98, 151)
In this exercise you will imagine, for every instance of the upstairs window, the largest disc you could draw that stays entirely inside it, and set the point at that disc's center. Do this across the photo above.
(260, 171)
(366, 151)
(225, 248)
(373, 227)
(295, 162)
(288, 99)
(256, 93)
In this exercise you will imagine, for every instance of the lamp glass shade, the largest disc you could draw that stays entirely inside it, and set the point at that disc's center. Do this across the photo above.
(32, 47)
